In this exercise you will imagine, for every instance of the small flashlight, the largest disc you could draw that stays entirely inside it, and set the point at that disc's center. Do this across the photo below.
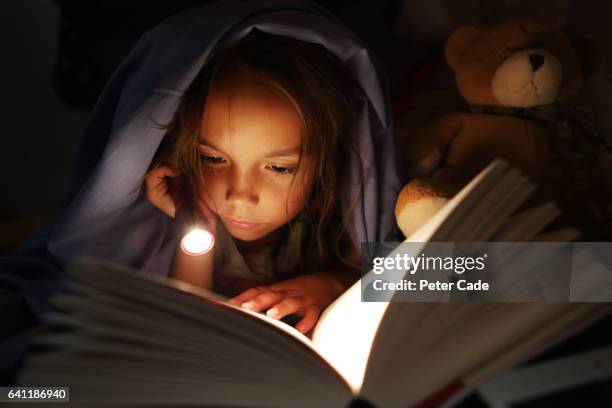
(197, 240)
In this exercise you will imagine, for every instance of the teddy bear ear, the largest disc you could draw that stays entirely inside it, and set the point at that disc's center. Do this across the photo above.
(457, 43)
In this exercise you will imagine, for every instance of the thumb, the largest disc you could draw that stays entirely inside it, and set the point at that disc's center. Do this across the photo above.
(158, 191)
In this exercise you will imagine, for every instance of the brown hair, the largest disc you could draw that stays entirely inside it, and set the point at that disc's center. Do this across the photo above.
(312, 79)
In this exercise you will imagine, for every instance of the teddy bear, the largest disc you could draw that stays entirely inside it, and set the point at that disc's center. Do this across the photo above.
(520, 80)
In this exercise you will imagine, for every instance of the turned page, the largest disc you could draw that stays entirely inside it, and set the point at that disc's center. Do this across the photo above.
(346, 330)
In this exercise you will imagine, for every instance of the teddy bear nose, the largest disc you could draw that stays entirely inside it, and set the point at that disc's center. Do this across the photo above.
(536, 61)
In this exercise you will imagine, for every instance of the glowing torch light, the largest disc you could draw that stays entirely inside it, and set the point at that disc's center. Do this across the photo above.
(198, 240)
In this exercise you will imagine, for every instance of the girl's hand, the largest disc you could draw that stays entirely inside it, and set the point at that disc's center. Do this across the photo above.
(306, 296)
(159, 190)
(163, 193)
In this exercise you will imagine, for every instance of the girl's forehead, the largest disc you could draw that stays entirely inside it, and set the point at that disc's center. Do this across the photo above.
(251, 112)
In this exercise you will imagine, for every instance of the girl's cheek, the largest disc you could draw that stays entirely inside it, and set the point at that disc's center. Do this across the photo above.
(296, 198)
(209, 187)
(211, 178)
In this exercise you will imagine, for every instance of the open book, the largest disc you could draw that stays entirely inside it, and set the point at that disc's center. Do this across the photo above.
(121, 336)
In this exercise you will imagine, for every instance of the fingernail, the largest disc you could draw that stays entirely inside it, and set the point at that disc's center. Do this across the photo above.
(248, 305)
(272, 312)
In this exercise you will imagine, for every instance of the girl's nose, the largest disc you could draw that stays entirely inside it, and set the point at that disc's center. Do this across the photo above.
(241, 191)
(241, 198)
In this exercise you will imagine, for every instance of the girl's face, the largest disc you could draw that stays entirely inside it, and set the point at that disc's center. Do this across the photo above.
(250, 140)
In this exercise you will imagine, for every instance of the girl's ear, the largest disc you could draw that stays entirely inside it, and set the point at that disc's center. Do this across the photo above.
(457, 43)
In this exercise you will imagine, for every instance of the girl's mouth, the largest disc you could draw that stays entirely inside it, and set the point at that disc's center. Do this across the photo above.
(241, 224)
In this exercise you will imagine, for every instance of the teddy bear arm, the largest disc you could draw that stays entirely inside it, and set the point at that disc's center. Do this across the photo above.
(450, 179)
(425, 150)
(418, 201)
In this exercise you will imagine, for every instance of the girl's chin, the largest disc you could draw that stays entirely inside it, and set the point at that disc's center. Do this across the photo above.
(245, 235)
(250, 241)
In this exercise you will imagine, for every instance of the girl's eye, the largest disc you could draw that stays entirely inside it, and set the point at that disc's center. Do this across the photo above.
(282, 169)
(212, 159)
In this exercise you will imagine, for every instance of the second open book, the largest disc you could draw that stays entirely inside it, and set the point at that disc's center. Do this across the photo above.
(121, 336)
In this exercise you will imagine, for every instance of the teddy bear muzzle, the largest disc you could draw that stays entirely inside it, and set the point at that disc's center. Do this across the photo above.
(527, 78)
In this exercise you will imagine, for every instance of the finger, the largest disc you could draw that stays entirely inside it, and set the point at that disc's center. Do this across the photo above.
(165, 171)
(286, 307)
(166, 204)
(290, 286)
(287, 290)
(311, 316)
(175, 190)
(157, 179)
(175, 182)
(162, 201)
(283, 285)
(156, 183)
(263, 301)
(157, 189)
(247, 295)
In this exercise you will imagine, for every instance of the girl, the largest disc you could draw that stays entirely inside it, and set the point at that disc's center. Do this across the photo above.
(177, 75)
(260, 141)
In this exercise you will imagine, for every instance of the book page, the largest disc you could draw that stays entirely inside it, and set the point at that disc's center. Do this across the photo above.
(450, 342)
(422, 347)
(280, 325)
(192, 290)
(346, 330)
(135, 329)
(460, 204)
(448, 217)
